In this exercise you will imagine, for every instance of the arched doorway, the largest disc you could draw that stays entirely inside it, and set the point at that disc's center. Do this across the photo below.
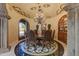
(62, 29)
(23, 27)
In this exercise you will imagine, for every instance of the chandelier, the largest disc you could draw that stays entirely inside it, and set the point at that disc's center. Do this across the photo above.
(40, 17)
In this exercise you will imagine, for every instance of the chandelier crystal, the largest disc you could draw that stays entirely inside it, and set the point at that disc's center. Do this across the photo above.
(39, 18)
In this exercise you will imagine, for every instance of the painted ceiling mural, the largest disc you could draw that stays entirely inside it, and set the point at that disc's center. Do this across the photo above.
(30, 10)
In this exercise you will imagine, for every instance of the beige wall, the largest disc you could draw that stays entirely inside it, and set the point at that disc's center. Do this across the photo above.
(13, 24)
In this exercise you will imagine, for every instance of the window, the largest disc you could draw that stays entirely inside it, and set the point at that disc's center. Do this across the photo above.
(23, 27)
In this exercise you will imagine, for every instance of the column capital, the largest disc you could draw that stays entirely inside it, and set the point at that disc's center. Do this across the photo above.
(3, 10)
(70, 6)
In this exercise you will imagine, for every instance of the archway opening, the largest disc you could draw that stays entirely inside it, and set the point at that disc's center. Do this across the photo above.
(23, 27)
(62, 29)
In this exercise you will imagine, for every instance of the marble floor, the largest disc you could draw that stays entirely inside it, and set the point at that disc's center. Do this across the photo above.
(11, 52)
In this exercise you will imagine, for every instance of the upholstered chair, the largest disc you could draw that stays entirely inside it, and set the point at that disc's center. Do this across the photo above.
(48, 37)
(32, 38)
(53, 35)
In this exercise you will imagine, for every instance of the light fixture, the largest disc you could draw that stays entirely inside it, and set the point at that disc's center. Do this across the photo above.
(39, 18)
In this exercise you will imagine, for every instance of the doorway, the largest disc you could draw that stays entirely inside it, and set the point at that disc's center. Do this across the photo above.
(62, 29)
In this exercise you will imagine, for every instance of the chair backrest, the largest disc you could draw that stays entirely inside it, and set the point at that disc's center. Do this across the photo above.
(53, 35)
(48, 34)
(31, 35)
(43, 32)
(35, 32)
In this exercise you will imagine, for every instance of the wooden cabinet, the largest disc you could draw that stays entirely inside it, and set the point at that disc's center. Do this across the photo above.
(62, 29)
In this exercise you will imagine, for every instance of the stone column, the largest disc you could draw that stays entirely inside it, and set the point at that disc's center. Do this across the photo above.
(73, 29)
(4, 27)
(77, 31)
(71, 33)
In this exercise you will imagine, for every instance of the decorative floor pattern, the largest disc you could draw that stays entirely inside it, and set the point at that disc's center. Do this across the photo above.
(55, 50)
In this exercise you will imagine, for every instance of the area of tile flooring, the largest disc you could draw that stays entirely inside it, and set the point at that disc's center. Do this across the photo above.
(11, 52)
